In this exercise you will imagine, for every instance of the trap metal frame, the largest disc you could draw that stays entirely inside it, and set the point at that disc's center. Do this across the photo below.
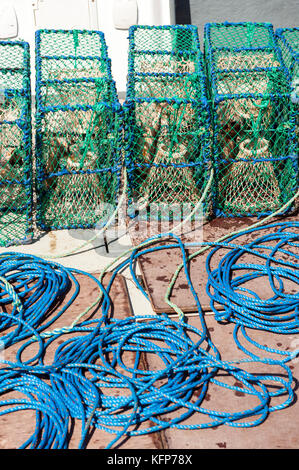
(16, 199)
(78, 130)
(288, 40)
(254, 140)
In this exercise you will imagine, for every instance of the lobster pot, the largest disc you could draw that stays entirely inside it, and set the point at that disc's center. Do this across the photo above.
(15, 144)
(254, 127)
(167, 120)
(78, 131)
(163, 49)
(288, 40)
(253, 119)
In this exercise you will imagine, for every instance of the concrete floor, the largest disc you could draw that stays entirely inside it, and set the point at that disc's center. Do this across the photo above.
(92, 258)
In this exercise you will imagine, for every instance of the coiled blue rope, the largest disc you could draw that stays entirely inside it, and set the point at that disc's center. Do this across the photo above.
(39, 286)
(52, 416)
(88, 367)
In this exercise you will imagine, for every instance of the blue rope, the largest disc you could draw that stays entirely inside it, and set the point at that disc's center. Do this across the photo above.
(242, 306)
(39, 285)
(89, 379)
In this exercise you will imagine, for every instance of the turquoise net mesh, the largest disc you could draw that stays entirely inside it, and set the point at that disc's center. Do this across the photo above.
(167, 119)
(253, 120)
(79, 130)
(15, 144)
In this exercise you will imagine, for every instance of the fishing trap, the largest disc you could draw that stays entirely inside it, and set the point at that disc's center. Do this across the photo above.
(15, 144)
(167, 135)
(288, 40)
(78, 130)
(254, 142)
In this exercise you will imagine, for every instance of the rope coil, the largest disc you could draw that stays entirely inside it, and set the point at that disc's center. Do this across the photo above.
(91, 364)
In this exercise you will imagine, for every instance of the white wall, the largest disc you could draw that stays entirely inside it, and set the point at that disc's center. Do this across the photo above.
(151, 12)
(88, 14)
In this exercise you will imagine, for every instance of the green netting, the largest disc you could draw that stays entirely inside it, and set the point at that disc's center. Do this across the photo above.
(15, 144)
(167, 120)
(240, 46)
(240, 35)
(288, 40)
(253, 120)
(78, 135)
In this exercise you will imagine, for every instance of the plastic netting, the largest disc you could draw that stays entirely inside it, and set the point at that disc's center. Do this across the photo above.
(167, 119)
(78, 130)
(254, 141)
(288, 40)
(15, 144)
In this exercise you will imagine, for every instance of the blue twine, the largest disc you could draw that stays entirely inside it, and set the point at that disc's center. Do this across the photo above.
(89, 365)
(227, 284)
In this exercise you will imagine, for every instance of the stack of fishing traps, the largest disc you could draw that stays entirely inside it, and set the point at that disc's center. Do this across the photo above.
(288, 40)
(78, 130)
(254, 142)
(167, 121)
(15, 144)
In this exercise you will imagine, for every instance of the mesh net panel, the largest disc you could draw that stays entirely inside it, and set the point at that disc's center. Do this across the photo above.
(78, 130)
(15, 144)
(240, 35)
(253, 120)
(167, 120)
(288, 40)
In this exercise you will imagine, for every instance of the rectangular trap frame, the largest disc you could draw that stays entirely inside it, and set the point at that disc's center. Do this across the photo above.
(167, 134)
(15, 144)
(288, 41)
(78, 130)
(253, 120)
